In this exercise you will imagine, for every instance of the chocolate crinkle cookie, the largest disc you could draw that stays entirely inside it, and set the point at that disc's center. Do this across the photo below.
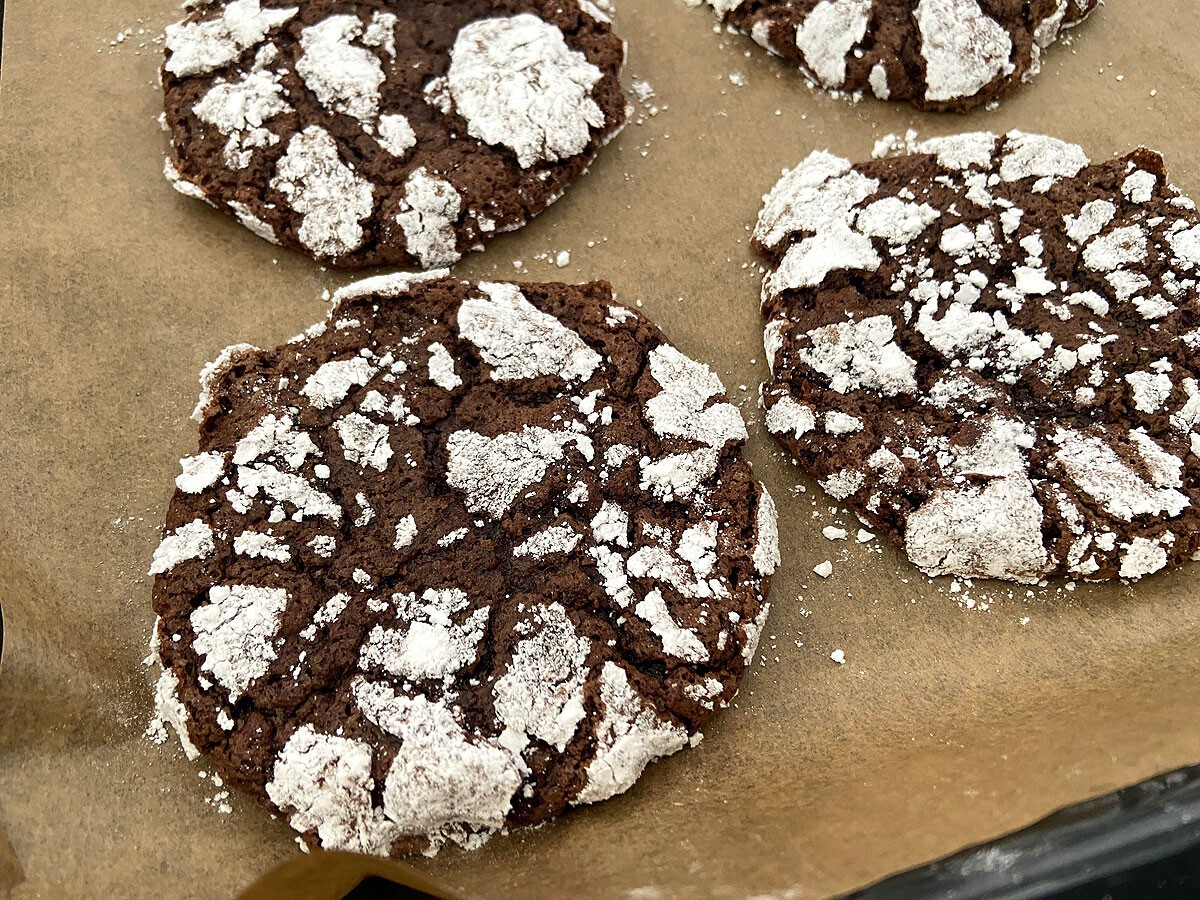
(380, 131)
(457, 560)
(988, 350)
(936, 54)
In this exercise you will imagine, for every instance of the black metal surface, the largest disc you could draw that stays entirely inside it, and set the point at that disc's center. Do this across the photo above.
(1133, 829)
(1141, 843)
(374, 888)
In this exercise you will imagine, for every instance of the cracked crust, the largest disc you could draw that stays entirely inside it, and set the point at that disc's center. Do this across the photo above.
(368, 132)
(456, 560)
(941, 55)
(987, 349)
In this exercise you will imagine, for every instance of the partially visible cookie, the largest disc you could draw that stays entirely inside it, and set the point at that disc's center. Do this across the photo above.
(459, 559)
(988, 349)
(377, 131)
(936, 54)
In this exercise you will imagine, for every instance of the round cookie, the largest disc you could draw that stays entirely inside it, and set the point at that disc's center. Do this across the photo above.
(458, 560)
(988, 350)
(382, 132)
(936, 54)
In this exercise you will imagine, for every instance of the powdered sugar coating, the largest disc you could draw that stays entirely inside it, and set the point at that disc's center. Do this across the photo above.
(428, 213)
(240, 109)
(828, 33)
(1007, 391)
(200, 471)
(517, 83)
(936, 54)
(447, 530)
(344, 78)
(331, 199)
(234, 633)
(964, 48)
(519, 341)
(303, 124)
(200, 47)
(191, 541)
(630, 736)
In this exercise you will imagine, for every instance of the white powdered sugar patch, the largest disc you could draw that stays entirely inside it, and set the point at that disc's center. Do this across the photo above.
(169, 711)
(396, 135)
(610, 525)
(1139, 186)
(260, 545)
(285, 488)
(275, 439)
(679, 409)
(1093, 217)
(960, 152)
(406, 532)
(555, 539)
(1151, 390)
(541, 694)
(1144, 556)
(492, 471)
(432, 644)
(330, 197)
(819, 196)
(333, 381)
(828, 34)
(676, 640)
(787, 417)
(326, 615)
(253, 223)
(519, 341)
(344, 78)
(235, 633)
(1044, 158)
(182, 185)
(200, 472)
(428, 213)
(630, 736)
(394, 284)
(964, 48)
(1093, 465)
(239, 110)
(518, 84)
(680, 474)
(326, 782)
(381, 33)
(895, 220)
(993, 531)
(200, 47)
(861, 356)
(364, 443)
(766, 552)
(191, 541)
(213, 372)
(440, 781)
(441, 368)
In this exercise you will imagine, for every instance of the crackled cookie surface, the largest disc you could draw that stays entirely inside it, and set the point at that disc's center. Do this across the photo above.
(457, 560)
(988, 349)
(936, 54)
(386, 132)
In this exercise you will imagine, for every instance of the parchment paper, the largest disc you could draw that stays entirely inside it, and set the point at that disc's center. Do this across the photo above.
(946, 725)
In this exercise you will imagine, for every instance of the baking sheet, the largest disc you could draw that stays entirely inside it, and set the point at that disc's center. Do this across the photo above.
(946, 725)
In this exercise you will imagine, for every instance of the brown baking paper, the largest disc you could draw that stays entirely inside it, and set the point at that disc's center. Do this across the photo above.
(946, 725)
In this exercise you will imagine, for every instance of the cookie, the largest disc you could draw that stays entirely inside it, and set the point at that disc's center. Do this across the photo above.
(457, 560)
(936, 54)
(383, 132)
(988, 350)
